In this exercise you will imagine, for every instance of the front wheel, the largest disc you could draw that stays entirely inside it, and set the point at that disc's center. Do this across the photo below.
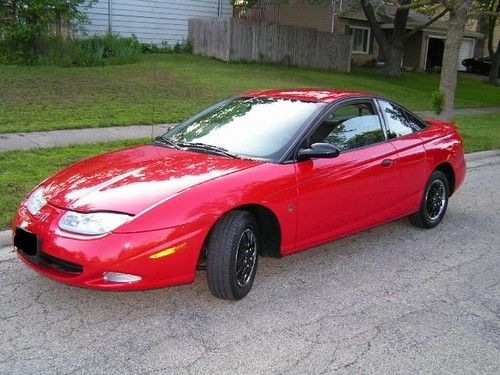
(232, 255)
(434, 202)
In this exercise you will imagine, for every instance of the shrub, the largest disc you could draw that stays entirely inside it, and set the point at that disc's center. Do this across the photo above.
(155, 48)
(96, 50)
(185, 47)
(437, 102)
(25, 25)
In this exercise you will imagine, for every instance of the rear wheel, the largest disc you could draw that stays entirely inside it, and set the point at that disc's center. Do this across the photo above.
(232, 255)
(434, 203)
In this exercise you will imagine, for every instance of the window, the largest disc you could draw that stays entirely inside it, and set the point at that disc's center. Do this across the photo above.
(360, 39)
(350, 126)
(250, 127)
(417, 123)
(396, 122)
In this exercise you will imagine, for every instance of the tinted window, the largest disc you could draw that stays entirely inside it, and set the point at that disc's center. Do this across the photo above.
(351, 126)
(395, 119)
(251, 127)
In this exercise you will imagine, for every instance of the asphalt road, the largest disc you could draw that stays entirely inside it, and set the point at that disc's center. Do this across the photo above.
(395, 299)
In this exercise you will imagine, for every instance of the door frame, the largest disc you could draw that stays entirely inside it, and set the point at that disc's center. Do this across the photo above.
(427, 46)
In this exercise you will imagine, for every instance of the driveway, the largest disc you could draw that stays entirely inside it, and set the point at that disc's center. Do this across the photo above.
(395, 299)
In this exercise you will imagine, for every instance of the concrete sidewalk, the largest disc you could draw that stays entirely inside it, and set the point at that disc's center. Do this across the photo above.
(54, 138)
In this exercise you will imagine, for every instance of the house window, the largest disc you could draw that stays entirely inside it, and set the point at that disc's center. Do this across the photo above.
(360, 39)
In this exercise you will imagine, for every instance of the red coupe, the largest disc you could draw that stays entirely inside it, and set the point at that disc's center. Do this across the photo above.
(267, 173)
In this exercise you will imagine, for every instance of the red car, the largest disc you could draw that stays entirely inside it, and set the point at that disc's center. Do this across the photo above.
(268, 173)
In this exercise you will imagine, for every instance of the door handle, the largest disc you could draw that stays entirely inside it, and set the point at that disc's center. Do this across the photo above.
(387, 163)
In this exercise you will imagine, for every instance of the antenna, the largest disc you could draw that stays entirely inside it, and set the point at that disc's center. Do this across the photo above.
(154, 96)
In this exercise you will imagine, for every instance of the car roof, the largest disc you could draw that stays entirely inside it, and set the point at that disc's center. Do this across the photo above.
(307, 94)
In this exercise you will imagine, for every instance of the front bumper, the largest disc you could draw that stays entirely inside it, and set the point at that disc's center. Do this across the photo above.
(128, 253)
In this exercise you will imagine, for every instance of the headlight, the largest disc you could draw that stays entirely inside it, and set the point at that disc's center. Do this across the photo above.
(36, 201)
(93, 223)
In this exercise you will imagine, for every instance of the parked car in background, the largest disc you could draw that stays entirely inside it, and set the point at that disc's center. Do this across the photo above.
(268, 173)
(481, 65)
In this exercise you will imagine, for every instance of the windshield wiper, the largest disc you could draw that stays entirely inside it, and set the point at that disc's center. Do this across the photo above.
(165, 141)
(210, 148)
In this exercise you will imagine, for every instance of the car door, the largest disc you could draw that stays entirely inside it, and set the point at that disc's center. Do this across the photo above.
(403, 133)
(354, 190)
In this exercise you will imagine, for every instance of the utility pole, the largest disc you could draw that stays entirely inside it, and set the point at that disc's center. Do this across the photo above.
(110, 17)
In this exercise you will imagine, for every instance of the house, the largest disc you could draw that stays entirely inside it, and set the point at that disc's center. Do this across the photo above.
(423, 51)
(152, 21)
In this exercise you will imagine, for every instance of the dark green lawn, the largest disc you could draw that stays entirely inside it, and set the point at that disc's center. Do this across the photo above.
(21, 171)
(480, 132)
(45, 98)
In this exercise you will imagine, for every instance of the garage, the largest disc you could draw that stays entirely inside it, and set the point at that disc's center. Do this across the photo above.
(466, 52)
(435, 51)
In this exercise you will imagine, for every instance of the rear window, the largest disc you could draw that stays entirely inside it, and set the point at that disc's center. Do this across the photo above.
(397, 124)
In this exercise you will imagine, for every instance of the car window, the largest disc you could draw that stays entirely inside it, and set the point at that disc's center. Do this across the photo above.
(256, 127)
(416, 123)
(351, 126)
(396, 122)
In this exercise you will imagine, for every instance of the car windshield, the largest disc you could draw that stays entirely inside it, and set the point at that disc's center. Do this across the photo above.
(256, 127)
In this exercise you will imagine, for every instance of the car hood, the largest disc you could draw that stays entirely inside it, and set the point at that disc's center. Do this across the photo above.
(134, 179)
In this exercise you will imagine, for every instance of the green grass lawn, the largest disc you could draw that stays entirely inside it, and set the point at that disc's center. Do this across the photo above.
(46, 98)
(20, 171)
(480, 132)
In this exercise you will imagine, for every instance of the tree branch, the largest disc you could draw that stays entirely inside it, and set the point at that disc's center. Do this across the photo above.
(377, 31)
(416, 4)
(427, 24)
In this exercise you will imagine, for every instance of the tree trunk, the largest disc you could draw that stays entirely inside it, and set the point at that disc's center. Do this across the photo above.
(393, 58)
(495, 65)
(392, 48)
(448, 84)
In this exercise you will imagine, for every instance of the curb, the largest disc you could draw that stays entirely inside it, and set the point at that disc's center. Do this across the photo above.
(476, 158)
(5, 238)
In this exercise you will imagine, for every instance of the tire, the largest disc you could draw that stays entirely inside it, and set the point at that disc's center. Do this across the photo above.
(434, 202)
(232, 255)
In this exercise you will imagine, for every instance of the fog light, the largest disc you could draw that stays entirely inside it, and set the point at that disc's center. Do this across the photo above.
(116, 277)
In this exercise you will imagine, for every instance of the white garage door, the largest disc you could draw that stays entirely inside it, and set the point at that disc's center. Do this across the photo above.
(466, 51)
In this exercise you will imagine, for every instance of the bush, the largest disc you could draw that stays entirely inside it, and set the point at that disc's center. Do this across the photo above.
(26, 25)
(96, 50)
(185, 47)
(155, 48)
(437, 102)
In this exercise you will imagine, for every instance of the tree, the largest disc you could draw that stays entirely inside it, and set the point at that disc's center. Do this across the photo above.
(24, 23)
(458, 10)
(392, 47)
(492, 10)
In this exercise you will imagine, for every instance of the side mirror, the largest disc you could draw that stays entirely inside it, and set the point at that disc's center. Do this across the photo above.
(319, 150)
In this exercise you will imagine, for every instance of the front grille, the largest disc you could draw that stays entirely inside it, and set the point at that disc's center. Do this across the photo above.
(59, 264)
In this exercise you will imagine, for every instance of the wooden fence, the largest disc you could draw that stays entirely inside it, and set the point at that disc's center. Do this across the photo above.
(233, 39)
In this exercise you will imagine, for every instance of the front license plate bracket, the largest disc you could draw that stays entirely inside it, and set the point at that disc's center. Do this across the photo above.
(27, 242)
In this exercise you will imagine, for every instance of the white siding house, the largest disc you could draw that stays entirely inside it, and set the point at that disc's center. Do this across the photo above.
(152, 21)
